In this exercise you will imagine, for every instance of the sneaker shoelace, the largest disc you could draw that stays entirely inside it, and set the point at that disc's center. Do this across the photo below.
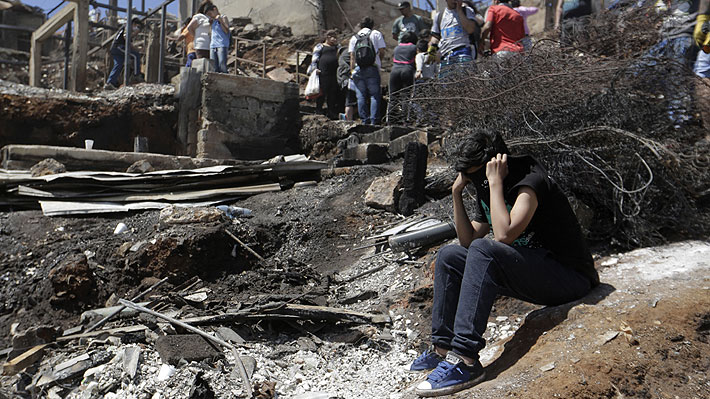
(441, 371)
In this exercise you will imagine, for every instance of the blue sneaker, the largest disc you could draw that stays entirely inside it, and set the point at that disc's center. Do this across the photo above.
(450, 376)
(426, 361)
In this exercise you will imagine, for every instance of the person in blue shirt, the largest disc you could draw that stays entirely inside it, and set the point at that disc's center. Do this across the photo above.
(219, 45)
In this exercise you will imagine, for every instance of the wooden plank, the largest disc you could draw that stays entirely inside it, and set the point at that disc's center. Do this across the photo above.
(24, 360)
(80, 45)
(53, 24)
(110, 331)
(152, 56)
(35, 63)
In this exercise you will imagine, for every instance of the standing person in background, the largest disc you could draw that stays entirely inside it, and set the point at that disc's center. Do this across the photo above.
(219, 43)
(450, 35)
(404, 67)
(200, 27)
(365, 49)
(402, 74)
(118, 51)
(408, 22)
(506, 27)
(347, 85)
(425, 70)
(525, 12)
(184, 34)
(325, 64)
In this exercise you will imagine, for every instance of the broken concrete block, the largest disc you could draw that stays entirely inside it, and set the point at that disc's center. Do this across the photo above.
(371, 154)
(190, 347)
(32, 337)
(383, 193)
(141, 166)
(131, 356)
(280, 75)
(258, 118)
(46, 167)
(227, 334)
(202, 65)
(399, 145)
(179, 215)
(385, 135)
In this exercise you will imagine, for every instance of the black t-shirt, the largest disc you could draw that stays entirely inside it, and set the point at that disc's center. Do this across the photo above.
(328, 61)
(554, 225)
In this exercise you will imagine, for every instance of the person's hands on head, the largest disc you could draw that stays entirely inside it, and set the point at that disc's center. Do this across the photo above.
(497, 169)
(460, 183)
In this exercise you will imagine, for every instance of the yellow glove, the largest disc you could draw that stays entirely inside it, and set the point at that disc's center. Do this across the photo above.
(701, 33)
(433, 49)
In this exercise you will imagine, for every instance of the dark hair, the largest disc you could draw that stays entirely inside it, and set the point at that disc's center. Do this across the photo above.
(186, 22)
(367, 22)
(423, 46)
(209, 7)
(203, 6)
(425, 32)
(477, 148)
(515, 3)
(409, 37)
(331, 33)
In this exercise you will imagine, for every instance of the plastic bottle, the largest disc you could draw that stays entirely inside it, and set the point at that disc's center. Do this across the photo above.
(235, 211)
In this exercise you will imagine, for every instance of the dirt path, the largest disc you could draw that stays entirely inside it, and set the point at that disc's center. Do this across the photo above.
(579, 350)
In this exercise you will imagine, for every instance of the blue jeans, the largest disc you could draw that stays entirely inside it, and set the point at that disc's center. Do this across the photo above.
(466, 282)
(117, 53)
(367, 85)
(218, 56)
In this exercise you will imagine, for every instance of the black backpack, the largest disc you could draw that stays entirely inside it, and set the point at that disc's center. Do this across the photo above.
(364, 50)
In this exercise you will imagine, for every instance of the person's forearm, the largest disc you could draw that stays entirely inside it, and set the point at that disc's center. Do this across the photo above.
(558, 14)
(468, 25)
(500, 217)
(464, 229)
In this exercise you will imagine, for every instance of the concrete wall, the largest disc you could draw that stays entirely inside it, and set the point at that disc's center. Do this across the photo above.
(300, 15)
(248, 118)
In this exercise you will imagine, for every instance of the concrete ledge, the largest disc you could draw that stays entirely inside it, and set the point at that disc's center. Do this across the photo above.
(372, 153)
(22, 157)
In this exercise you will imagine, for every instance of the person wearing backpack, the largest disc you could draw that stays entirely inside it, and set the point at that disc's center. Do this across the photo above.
(451, 33)
(365, 49)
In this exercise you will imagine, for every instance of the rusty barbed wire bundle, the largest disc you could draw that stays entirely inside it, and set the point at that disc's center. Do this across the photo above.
(617, 127)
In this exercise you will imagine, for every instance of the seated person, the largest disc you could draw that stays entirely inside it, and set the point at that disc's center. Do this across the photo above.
(538, 254)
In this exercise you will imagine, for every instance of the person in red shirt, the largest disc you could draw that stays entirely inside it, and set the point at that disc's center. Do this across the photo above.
(506, 27)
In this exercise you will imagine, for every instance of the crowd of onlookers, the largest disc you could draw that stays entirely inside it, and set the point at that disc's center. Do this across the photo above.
(206, 35)
(350, 75)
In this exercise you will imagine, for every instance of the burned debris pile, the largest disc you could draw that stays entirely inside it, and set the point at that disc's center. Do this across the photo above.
(617, 122)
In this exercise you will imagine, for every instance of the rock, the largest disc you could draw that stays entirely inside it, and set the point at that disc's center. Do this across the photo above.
(282, 350)
(548, 367)
(306, 344)
(384, 192)
(141, 166)
(190, 347)
(249, 28)
(350, 337)
(131, 356)
(280, 75)
(46, 167)
(438, 184)
(249, 364)
(72, 280)
(31, 337)
(166, 371)
(227, 334)
(179, 215)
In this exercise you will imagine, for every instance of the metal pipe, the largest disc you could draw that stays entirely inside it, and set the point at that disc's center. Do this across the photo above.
(115, 8)
(240, 365)
(161, 60)
(143, 5)
(430, 235)
(67, 60)
(127, 47)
